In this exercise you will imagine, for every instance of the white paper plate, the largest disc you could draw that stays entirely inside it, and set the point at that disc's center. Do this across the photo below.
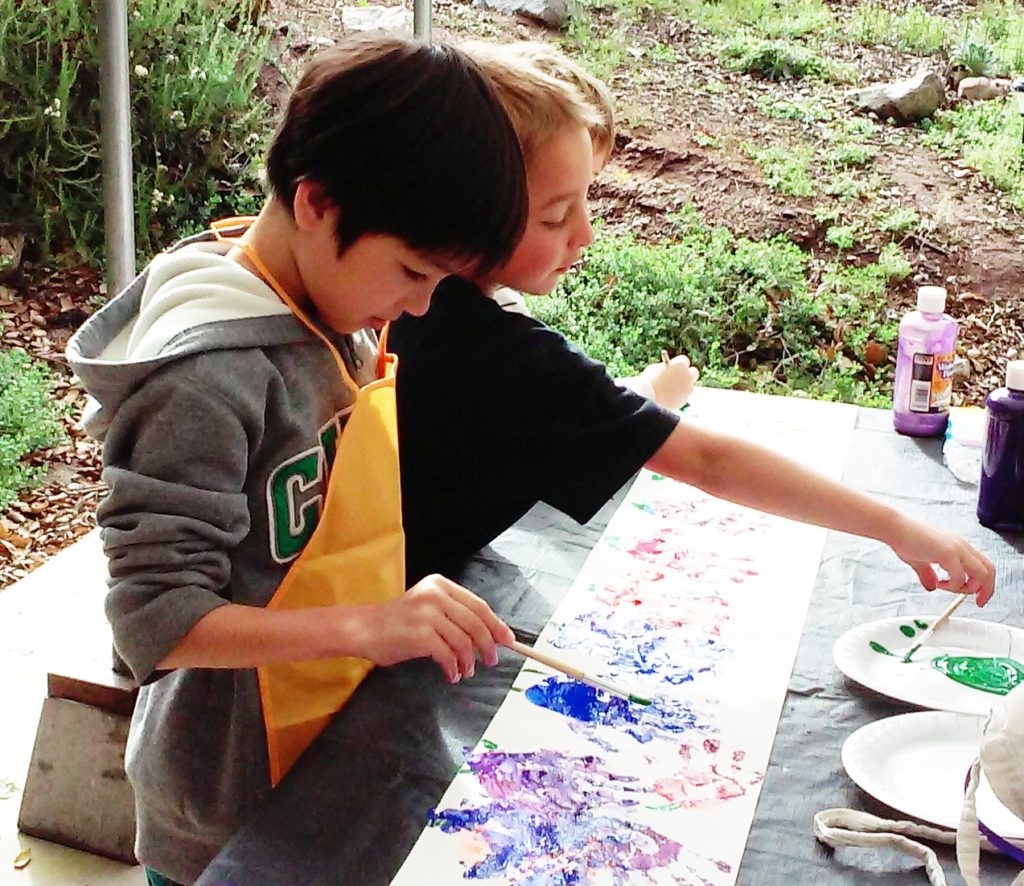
(917, 764)
(918, 682)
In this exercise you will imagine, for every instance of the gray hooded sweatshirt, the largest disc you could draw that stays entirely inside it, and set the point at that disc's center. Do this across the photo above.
(218, 413)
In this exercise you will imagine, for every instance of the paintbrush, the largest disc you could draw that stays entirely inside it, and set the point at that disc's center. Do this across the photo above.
(575, 673)
(938, 623)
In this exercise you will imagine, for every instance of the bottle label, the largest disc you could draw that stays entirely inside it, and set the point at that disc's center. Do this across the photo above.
(931, 383)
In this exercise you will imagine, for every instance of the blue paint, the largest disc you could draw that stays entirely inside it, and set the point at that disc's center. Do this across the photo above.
(641, 648)
(589, 705)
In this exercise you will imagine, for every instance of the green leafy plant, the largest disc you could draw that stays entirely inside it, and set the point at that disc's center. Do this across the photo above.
(847, 154)
(842, 237)
(785, 168)
(29, 420)
(979, 59)
(197, 124)
(899, 220)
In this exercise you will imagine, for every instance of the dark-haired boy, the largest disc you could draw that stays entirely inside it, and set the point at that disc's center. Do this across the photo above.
(230, 379)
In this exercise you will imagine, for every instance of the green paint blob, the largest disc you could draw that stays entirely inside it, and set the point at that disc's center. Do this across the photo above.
(997, 675)
(921, 625)
(907, 631)
(878, 647)
(490, 745)
(657, 476)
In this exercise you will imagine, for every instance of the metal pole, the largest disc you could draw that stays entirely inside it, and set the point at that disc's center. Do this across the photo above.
(116, 144)
(422, 14)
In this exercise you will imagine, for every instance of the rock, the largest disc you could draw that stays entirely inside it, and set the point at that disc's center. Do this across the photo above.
(393, 19)
(905, 101)
(974, 89)
(553, 13)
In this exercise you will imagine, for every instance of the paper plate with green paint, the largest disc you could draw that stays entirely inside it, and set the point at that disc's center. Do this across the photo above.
(917, 763)
(967, 666)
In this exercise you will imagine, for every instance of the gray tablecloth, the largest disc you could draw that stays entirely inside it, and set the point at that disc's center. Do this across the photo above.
(354, 805)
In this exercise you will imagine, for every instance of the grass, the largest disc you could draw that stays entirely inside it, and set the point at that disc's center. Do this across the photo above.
(913, 29)
(988, 137)
(29, 420)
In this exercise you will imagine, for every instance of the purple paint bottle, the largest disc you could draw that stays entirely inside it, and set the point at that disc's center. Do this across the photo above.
(924, 366)
(1001, 491)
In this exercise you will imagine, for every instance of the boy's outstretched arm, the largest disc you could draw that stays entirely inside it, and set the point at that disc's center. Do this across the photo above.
(751, 475)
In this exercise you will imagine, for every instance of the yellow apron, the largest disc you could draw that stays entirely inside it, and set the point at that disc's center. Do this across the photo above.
(356, 555)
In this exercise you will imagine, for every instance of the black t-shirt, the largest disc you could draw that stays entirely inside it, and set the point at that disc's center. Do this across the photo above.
(497, 412)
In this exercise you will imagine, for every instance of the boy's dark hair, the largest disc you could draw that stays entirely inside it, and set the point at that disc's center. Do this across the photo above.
(409, 140)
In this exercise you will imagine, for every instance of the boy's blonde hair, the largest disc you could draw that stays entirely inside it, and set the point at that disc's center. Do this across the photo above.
(543, 91)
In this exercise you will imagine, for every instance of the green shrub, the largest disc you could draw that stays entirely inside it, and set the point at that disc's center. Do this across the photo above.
(772, 59)
(196, 123)
(740, 308)
(29, 420)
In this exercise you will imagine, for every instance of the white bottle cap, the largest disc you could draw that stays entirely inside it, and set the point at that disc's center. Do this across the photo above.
(1015, 375)
(931, 299)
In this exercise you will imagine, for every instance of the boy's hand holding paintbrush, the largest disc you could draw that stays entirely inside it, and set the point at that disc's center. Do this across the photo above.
(668, 383)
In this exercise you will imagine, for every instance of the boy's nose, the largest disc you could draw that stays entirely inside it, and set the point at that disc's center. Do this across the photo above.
(418, 305)
(584, 234)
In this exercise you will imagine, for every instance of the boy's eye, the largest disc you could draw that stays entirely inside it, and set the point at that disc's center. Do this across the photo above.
(557, 223)
(415, 276)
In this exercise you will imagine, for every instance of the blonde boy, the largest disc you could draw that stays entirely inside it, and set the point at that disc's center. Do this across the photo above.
(498, 412)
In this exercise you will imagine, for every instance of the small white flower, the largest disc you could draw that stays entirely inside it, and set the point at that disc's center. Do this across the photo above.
(53, 109)
(141, 71)
(171, 58)
(177, 118)
(197, 72)
(156, 198)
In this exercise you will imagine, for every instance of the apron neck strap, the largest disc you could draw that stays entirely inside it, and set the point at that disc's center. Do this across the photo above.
(242, 223)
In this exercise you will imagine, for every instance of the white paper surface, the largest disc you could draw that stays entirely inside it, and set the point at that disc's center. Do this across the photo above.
(690, 601)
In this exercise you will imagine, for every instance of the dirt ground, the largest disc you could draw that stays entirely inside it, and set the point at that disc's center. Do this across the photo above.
(683, 128)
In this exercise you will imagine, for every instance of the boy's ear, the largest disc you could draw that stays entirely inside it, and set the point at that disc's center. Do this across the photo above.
(311, 205)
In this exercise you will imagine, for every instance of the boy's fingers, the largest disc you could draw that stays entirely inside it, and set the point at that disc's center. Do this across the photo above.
(459, 642)
(474, 630)
(926, 575)
(497, 630)
(442, 653)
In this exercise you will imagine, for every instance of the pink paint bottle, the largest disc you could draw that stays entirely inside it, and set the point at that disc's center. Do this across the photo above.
(924, 366)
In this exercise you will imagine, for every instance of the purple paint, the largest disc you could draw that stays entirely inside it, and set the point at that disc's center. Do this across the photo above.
(552, 818)
(708, 513)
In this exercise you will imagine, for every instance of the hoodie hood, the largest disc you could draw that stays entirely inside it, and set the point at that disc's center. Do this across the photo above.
(188, 300)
